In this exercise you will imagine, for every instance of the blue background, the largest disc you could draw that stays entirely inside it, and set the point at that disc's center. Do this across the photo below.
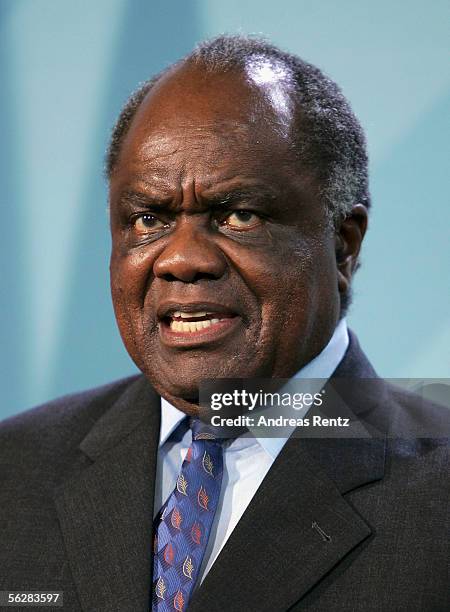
(67, 66)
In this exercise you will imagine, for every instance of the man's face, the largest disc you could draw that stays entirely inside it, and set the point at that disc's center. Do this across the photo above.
(222, 263)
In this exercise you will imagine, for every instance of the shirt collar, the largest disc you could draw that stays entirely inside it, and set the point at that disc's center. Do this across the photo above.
(171, 417)
(322, 366)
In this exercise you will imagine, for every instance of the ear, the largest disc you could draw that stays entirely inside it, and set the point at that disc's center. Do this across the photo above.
(348, 239)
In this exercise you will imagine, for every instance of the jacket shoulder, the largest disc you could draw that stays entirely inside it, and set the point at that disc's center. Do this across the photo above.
(54, 428)
(412, 415)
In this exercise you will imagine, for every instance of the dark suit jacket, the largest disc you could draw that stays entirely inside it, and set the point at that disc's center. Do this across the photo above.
(76, 499)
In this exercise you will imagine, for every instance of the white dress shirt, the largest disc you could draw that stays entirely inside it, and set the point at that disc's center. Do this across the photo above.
(246, 460)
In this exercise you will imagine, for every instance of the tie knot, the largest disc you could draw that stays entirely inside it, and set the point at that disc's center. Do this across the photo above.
(202, 431)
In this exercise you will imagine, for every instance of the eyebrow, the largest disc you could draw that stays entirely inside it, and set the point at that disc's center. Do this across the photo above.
(138, 199)
(227, 198)
(217, 199)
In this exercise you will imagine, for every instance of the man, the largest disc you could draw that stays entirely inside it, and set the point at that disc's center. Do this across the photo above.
(238, 201)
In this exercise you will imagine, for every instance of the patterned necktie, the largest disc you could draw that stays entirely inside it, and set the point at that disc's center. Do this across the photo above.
(183, 524)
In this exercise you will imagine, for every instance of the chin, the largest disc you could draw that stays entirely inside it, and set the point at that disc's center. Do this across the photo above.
(183, 381)
(176, 384)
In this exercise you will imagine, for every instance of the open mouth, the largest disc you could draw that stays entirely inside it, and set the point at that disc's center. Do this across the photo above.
(190, 322)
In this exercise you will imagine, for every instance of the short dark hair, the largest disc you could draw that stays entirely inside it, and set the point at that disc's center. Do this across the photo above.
(328, 138)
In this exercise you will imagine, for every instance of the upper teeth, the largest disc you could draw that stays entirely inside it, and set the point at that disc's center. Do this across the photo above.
(205, 319)
(188, 315)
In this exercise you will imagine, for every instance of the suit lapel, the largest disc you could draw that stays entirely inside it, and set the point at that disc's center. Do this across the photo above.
(105, 512)
(296, 529)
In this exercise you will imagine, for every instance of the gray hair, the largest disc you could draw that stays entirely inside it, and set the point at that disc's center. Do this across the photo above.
(328, 138)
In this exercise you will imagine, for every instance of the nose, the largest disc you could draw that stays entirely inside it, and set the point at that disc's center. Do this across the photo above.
(190, 255)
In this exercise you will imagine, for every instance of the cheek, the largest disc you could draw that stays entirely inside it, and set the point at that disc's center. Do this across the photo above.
(278, 273)
(129, 276)
(294, 281)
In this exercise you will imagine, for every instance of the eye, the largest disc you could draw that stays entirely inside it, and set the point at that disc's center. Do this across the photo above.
(242, 219)
(145, 224)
